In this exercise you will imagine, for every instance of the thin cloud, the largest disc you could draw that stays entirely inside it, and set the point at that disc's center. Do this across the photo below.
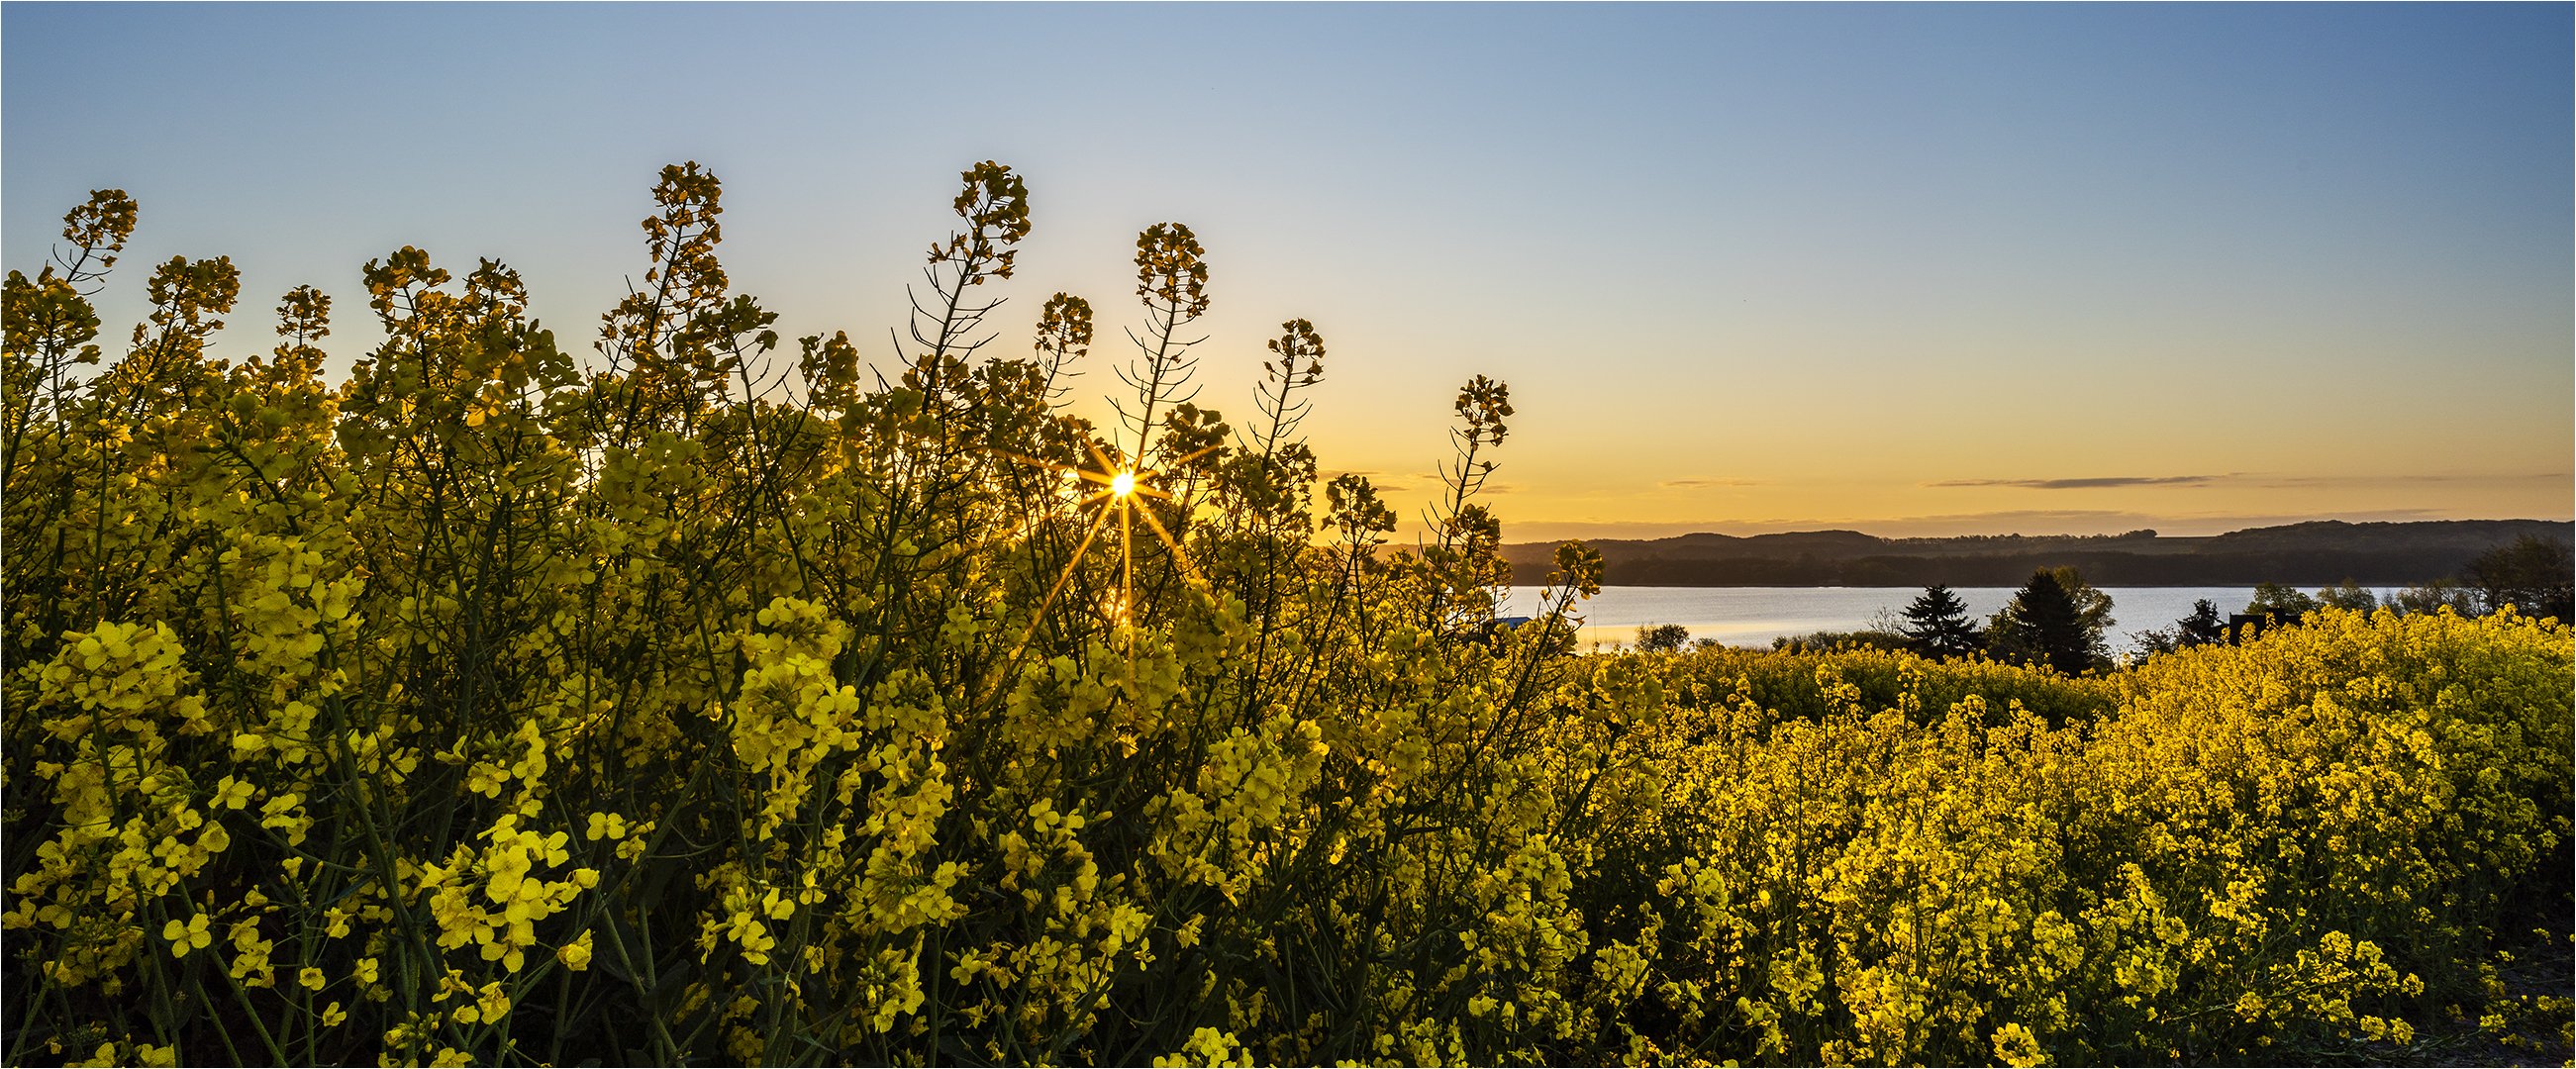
(2109, 521)
(2090, 483)
(1684, 484)
(2401, 480)
(2255, 479)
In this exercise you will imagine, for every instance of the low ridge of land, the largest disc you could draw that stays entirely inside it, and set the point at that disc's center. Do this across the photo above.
(2301, 554)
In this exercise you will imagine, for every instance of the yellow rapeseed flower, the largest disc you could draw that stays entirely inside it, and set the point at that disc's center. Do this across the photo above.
(186, 936)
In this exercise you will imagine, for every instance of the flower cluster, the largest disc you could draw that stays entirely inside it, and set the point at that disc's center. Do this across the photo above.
(495, 707)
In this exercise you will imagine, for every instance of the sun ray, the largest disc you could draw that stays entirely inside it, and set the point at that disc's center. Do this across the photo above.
(1178, 558)
(1195, 454)
(1029, 460)
(1127, 588)
(1108, 468)
(1038, 618)
(1127, 568)
(1123, 487)
(1031, 521)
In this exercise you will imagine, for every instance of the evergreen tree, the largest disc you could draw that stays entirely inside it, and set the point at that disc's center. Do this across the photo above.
(2202, 627)
(1938, 624)
(2092, 607)
(2056, 620)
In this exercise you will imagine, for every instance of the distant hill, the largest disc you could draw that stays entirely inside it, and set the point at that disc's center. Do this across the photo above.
(2300, 554)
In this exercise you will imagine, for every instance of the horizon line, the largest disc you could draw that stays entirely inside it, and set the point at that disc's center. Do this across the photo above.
(1831, 528)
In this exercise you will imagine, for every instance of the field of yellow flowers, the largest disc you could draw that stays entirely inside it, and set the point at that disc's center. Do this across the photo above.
(712, 699)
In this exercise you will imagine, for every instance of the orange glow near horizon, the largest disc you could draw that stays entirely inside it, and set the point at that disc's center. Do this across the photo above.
(1548, 489)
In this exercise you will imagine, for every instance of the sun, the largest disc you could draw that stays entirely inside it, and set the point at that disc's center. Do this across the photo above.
(1123, 488)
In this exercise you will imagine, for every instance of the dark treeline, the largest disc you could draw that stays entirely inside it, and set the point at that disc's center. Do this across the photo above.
(2061, 620)
(2378, 554)
(2108, 568)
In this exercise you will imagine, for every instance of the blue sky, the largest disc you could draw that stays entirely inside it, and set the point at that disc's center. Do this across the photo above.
(1911, 269)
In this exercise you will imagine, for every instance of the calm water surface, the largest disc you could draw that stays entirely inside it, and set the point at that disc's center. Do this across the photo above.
(1754, 615)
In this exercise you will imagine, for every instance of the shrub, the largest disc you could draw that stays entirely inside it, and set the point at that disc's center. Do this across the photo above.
(1662, 638)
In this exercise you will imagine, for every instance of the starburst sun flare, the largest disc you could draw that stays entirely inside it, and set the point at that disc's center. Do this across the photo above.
(1122, 485)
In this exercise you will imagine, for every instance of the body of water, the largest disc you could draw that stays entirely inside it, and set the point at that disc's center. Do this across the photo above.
(1755, 615)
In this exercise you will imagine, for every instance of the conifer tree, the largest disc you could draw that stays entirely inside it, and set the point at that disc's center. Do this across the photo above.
(2203, 626)
(1938, 624)
(2056, 620)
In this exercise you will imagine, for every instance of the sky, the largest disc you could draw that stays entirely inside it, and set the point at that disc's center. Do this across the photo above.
(1910, 269)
